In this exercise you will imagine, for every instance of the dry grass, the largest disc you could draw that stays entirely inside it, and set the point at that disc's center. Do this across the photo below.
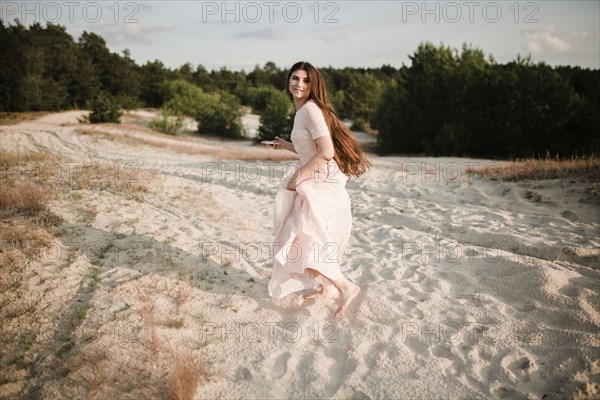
(22, 191)
(11, 158)
(182, 145)
(26, 221)
(23, 240)
(182, 295)
(23, 196)
(548, 168)
(12, 118)
(149, 320)
(128, 178)
(186, 374)
(25, 234)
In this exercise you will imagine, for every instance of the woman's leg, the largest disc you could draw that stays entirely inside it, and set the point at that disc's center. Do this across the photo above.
(347, 289)
(326, 291)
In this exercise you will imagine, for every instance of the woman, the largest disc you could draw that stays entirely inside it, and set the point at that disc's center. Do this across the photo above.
(312, 216)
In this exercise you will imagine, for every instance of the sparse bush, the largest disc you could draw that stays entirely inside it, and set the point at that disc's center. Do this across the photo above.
(167, 122)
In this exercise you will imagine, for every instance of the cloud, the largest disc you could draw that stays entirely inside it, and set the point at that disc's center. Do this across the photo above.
(126, 34)
(546, 43)
(579, 35)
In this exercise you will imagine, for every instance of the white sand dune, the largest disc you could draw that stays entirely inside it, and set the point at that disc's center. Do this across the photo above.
(472, 288)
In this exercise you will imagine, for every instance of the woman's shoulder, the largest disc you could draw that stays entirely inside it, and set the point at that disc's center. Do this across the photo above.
(311, 108)
(313, 115)
(311, 104)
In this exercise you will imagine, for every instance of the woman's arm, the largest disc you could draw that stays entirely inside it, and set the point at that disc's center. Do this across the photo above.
(325, 153)
(284, 144)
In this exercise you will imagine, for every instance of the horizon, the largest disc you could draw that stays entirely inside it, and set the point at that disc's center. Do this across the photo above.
(558, 33)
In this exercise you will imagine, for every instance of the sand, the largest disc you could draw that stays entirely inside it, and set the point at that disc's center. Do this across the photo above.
(471, 287)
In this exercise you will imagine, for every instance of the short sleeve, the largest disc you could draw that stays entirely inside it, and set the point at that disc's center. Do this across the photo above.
(315, 121)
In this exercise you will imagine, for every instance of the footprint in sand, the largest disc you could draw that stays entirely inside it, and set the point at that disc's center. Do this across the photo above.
(518, 367)
(276, 365)
(450, 362)
(570, 215)
(415, 345)
(500, 391)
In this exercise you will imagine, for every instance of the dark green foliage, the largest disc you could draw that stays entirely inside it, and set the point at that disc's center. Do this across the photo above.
(37, 69)
(451, 103)
(362, 98)
(118, 75)
(153, 75)
(104, 109)
(269, 75)
(277, 119)
(338, 100)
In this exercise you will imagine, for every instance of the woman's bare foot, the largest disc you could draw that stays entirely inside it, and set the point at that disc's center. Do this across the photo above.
(347, 297)
(328, 292)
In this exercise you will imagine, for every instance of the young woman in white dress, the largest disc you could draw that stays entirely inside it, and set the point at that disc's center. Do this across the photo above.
(312, 215)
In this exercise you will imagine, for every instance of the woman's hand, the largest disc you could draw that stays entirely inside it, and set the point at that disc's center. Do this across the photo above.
(279, 143)
(291, 185)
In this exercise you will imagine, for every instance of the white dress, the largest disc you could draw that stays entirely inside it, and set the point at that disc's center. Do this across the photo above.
(312, 224)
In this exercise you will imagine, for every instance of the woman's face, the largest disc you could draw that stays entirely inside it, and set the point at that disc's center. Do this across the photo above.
(299, 85)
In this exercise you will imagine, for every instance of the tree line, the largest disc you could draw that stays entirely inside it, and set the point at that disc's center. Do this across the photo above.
(446, 102)
(451, 102)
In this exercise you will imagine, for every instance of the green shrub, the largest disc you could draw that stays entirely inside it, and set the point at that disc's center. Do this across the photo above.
(167, 122)
(219, 114)
(104, 108)
(216, 113)
(182, 97)
(276, 120)
(358, 124)
(258, 98)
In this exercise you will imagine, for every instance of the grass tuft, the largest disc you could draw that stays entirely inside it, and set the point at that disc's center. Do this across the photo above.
(186, 374)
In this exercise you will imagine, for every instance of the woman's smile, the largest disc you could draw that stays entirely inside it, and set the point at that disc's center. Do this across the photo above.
(299, 86)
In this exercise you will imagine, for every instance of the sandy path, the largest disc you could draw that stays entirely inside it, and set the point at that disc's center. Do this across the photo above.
(471, 288)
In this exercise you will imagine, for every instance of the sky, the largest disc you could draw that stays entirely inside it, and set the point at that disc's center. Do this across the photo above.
(242, 34)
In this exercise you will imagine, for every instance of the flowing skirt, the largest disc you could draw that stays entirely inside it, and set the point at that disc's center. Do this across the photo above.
(311, 227)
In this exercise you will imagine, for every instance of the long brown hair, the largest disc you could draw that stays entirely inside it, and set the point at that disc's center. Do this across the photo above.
(348, 153)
